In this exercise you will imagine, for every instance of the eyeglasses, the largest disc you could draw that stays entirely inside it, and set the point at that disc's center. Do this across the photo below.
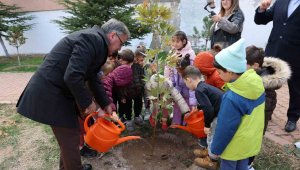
(122, 43)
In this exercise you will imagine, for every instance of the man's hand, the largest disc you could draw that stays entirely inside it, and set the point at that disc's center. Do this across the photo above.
(90, 109)
(264, 5)
(108, 109)
(206, 130)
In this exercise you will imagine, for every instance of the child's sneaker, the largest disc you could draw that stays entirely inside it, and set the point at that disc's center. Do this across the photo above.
(202, 142)
(202, 153)
(129, 125)
(206, 163)
(123, 120)
(250, 167)
(139, 121)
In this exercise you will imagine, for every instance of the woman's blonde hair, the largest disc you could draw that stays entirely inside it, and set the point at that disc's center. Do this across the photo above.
(234, 5)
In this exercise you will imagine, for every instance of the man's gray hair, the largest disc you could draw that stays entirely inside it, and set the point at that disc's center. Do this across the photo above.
(114, 25)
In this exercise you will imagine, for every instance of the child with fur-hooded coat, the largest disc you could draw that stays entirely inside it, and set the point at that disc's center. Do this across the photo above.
(274, 73)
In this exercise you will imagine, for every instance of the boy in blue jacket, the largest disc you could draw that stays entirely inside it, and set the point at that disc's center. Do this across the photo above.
(209, 100)
(240, 125)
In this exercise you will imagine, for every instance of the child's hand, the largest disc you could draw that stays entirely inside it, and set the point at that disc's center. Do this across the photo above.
(187, 115)
(114, 116)
(213, 156)
(206, 130)
(194, 108)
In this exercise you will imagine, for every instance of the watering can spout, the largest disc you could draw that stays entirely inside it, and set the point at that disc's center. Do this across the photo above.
(127, 138)
(181, 127)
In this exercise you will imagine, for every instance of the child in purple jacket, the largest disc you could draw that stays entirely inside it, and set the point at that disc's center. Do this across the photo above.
(182, 47)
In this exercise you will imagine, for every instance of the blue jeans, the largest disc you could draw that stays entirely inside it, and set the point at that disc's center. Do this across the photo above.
(234, 165)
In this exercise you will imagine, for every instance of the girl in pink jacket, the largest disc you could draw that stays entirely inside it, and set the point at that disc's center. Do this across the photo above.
(182, 47)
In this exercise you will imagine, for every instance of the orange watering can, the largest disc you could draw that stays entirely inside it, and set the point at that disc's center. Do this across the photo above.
(195, 123)
(104, 134)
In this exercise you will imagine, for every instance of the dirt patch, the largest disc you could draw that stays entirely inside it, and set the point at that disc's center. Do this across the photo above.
(172, 150)
(169, 153)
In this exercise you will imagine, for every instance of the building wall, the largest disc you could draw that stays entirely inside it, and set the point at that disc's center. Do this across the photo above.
(35, 5)
(43, 36)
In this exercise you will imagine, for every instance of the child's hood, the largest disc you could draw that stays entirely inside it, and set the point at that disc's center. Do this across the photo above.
(248, 85)
(279, 74)
(187, 50)
(204, 62)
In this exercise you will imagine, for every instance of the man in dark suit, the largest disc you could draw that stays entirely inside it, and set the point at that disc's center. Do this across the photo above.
(284, 43)
(66, 86)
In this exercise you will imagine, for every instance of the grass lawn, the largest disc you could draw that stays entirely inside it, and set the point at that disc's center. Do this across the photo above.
(29, 63)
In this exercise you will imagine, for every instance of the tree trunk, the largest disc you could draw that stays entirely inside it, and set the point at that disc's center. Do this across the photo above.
(206, 40)
(19, 61)
(3, 46)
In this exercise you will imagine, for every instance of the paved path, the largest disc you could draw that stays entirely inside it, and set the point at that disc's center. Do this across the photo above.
(12, 85)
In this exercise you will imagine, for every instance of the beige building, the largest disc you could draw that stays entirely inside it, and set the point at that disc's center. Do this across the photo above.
(35, 5)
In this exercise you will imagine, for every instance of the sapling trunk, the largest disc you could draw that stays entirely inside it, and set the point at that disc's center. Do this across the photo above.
(19, 61)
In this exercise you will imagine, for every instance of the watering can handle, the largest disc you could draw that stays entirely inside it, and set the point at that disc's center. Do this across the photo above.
(86, 127)
(122, 126)
(108, 118)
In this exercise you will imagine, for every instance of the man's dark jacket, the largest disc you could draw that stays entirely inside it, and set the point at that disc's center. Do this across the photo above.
(58, 89)
(284, 40)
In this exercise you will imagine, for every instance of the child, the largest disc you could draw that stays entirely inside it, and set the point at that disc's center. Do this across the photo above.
(110, 64)
(165, 84)
(274, 73)
(204, 62)
(125, 57)
(114, 82)
(239, 130)
(135, 91)
(182, 47)
(118, 78)
(209, 100)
